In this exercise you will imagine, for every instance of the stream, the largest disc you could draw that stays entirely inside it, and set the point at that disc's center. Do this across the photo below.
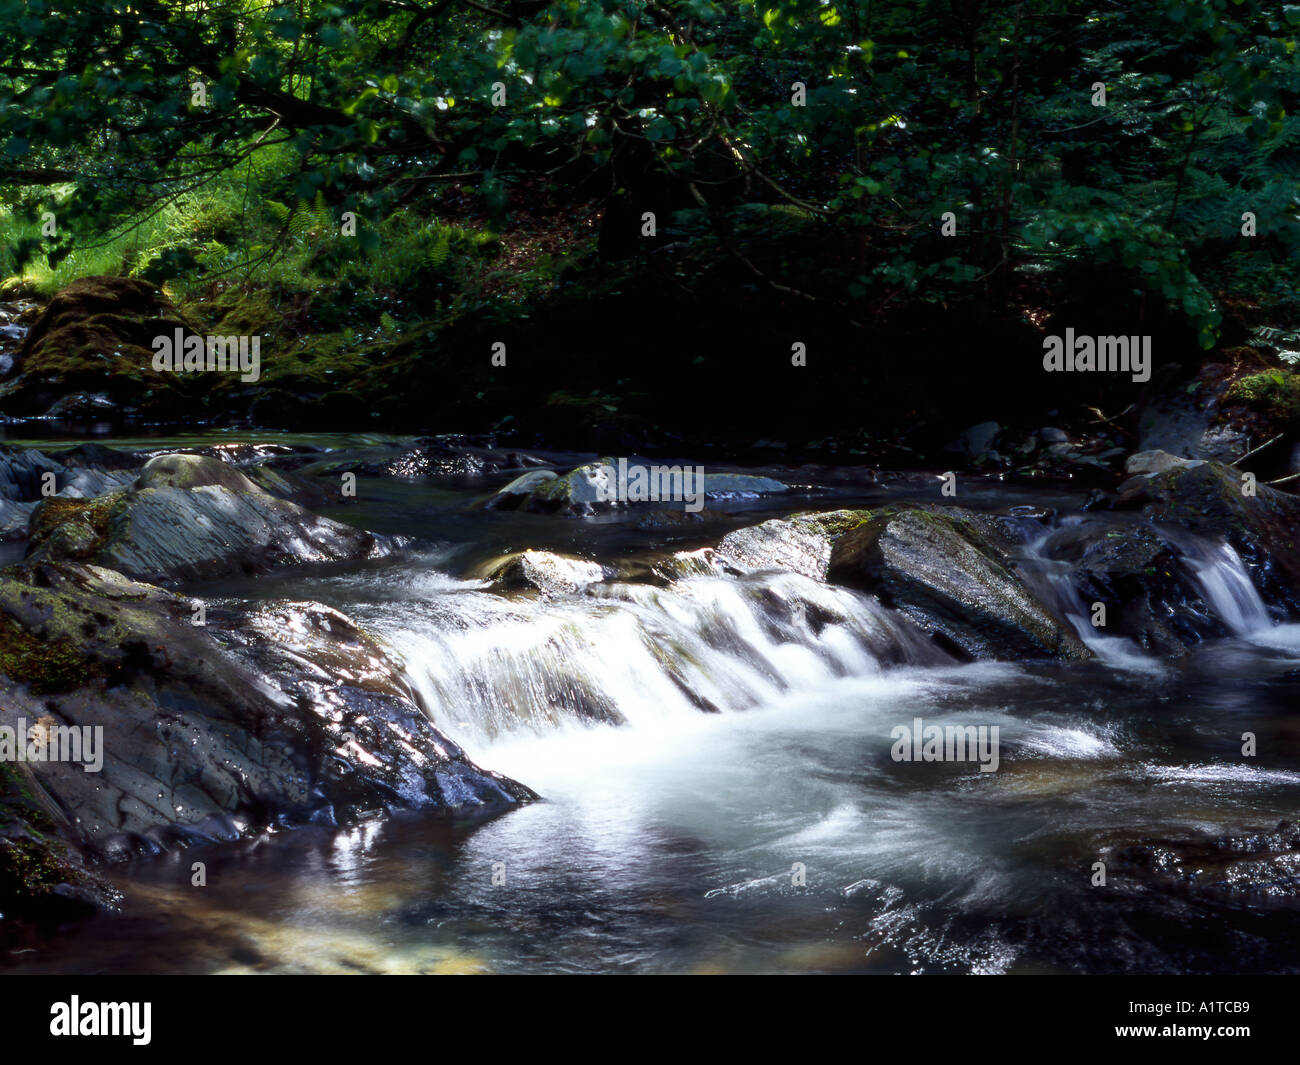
(720, 796)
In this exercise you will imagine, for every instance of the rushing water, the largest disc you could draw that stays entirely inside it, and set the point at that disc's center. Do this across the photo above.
(720, 795)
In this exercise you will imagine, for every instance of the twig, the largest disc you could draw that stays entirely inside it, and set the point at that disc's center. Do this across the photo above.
(1258, 450)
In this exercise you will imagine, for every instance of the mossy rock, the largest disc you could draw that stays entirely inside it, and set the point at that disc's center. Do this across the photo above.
(96, 336)
(1275, 393)
(42, 879)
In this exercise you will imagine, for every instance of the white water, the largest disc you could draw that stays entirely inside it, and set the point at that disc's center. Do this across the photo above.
(1216, 571)
(636, 654)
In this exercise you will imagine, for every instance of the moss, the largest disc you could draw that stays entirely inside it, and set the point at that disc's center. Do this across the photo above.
(46, 666)
(1275, 393)
(74, 528)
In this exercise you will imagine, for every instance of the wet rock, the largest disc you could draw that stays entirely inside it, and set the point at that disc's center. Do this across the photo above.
(976, 440)
(21, 472)
(98, 457)
(517, 493)
(542, 571)
(269, 714)
(43, 879)
(801, 544)
(191, 517)
(740, 485)
(1191, 419)
(284, 484)
(594, 488)
(1150, 594)
(1248, 868)
(14, 519)
(950, 571)
(23, 476)
(1208, 498)
(192, 471)
(438, 458)
(86, 407)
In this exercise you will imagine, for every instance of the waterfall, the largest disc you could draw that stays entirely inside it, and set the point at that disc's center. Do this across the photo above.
(1224, 583)
(1213, 567)
(485, 665)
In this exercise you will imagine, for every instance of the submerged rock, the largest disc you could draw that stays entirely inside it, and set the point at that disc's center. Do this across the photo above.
(1264, 866)
(266, 715)
(594, 488)
(191, 517)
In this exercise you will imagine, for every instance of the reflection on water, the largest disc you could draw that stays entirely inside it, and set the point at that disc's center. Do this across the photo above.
(746, 815)
(671, 847)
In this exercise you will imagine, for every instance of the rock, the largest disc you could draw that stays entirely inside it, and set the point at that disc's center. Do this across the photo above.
(594, 488)
(43, 880)
(14, 519)
(192, 471)
(519, 491)
(579, 491)
(731, 485)
(269, 715)
(85, 407)
(434, 457)
(284, 484)
(23, 474)
(1262, 867)
(976, 440)
(542, 571)
(97, 457)
(94, 338)
(1053, 436)
(191, 517)
(949, 570)
(21, 471)
(1149, 593)
(801, 544)
(1156, 462)
(1191, 419)
(1207, 498)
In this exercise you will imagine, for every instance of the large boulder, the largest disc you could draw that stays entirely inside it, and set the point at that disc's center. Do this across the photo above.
(951, 572)
(543, 572)
(192, 517)
(265, 715)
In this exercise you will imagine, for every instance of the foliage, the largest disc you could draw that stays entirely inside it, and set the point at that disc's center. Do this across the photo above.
(229, 138)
